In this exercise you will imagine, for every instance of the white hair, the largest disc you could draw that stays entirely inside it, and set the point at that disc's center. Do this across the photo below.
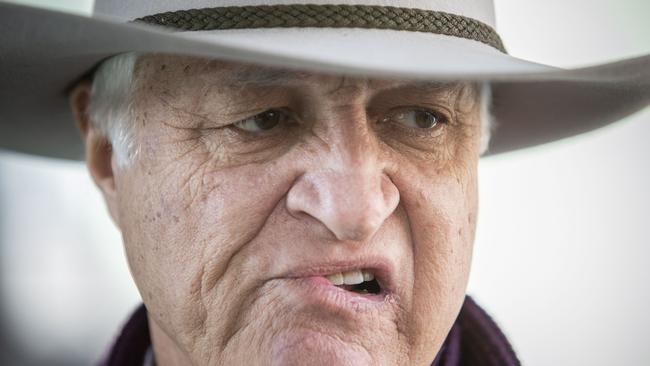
(111, 106)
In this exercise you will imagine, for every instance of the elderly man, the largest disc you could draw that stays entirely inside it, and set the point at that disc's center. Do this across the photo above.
(287, 216)
(314, 207)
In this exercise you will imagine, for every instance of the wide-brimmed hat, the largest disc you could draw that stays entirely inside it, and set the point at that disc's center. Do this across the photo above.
(43, 53)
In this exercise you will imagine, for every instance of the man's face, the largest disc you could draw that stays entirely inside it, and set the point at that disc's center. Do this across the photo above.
(251, 186)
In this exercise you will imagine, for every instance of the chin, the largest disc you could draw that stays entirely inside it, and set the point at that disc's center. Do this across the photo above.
(309, 347)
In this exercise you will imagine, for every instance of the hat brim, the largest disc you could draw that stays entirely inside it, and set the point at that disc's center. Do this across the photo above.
(42, 53)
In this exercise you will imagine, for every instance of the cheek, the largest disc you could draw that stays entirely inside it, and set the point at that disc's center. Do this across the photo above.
(441, 205)
(443, 227)
(184, 225)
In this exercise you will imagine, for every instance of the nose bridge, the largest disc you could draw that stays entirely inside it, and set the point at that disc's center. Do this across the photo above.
(348, 192)
(350, 139)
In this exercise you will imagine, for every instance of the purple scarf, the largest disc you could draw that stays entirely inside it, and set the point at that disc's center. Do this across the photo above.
(474, 340)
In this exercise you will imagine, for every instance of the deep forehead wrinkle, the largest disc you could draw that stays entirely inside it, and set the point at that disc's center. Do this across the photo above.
(264, 76)
(268, 76)
(251, 75)
(233, 74)
(430, 86)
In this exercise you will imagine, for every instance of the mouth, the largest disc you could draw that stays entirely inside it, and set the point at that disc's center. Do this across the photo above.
(355, 285)
(362, 282)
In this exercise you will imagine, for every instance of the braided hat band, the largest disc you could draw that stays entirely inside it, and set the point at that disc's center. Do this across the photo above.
(328, 16)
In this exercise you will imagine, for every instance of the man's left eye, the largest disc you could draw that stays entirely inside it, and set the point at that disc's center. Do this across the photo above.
(261, 122)
(418, 118)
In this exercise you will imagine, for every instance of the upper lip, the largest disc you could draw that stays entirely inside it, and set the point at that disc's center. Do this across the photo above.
(382, 268)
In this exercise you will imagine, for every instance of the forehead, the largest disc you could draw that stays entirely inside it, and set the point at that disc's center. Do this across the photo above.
(175, 70)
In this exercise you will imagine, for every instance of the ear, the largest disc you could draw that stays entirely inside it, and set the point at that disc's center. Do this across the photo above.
(99, 152)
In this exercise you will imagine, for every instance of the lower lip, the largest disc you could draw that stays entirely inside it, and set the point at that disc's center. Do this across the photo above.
(320, 291)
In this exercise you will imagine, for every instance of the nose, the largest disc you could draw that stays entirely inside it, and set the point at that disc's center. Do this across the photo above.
(352, 204)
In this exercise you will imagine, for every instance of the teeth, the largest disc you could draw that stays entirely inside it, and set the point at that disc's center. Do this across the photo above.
(350, 278)
(336, 279)
(353, 277)
(367, 276)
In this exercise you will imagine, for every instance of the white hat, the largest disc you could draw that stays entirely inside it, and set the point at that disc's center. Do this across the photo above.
(43, 53)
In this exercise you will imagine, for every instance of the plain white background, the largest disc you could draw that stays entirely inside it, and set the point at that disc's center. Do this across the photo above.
(561, 259)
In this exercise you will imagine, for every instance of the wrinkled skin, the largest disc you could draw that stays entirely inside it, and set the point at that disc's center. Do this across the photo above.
(217, 221)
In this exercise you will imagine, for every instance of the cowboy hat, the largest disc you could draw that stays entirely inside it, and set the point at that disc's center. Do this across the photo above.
(43, 53)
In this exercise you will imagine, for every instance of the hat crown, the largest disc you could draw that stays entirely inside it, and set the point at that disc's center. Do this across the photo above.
(481, 10)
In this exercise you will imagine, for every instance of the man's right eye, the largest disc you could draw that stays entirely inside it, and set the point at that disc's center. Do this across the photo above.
(261, 122)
